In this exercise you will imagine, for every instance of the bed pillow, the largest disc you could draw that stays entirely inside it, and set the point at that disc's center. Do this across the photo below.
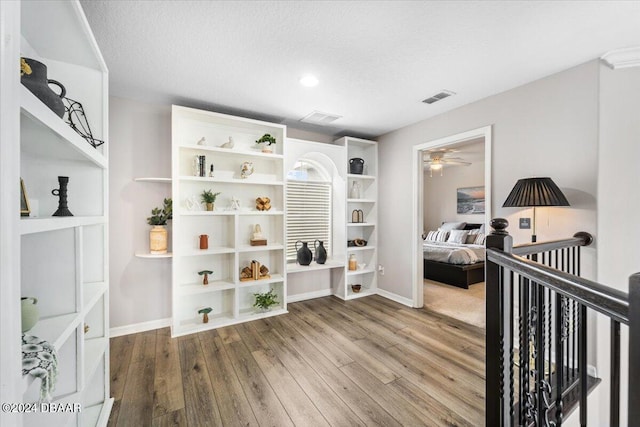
(471, 237)
(448, 226)
(480, 239)
(483, 229)
(437, 236)
(458, 236)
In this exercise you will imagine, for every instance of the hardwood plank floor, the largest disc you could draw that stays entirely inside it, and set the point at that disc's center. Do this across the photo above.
(365, 362)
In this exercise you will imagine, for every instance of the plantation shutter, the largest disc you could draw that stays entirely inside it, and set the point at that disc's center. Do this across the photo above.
(308, 215)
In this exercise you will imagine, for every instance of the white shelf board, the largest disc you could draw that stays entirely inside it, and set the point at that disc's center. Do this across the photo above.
(233, 152)
(244, 181)
(207, 213)
(156, 180)
(364, 292)
(260, 213)
(297, 268)
(199, 288)
(96, 415)
(360, 142)
(252, 314)
(358, 176)
(360, 272)
(359, 248)
(232, 213)
(275, 278)
(269, 247)
(361, 224)
(215, 321)
(214, 250)
(44, 134)
(42, 224)
(91, 294)
(93, 353)
(56, 329)
(148, 255)
(361, 201)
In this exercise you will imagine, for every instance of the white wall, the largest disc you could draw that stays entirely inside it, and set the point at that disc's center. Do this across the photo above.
(140, 146)
(440, 195)
(618, 203)
(545, 128)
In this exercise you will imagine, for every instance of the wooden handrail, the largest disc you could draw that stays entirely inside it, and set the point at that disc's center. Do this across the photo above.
(603, 299)
(581, 238)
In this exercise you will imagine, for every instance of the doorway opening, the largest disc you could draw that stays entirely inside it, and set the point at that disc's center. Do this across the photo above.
(452, 187)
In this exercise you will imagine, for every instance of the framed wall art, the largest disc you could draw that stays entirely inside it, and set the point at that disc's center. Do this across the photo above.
(470, 200)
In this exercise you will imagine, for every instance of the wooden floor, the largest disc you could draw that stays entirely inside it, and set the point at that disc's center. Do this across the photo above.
(328, 362)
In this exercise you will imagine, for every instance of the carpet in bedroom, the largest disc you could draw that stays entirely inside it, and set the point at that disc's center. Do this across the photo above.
(466, 305)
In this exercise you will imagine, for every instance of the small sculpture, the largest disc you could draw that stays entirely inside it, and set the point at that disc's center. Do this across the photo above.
(211, 171)
(254, 272)
(263, 203)
(235, 204)
(205, 273)
(246, 169)
(201, 141)
(193, 204)
(205, 314)
(257, 239)
(63, 209)
(228, 144)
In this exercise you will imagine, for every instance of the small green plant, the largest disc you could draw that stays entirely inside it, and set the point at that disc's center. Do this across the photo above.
(208, 196)
(266, 300)
(266, 139)
(161, 216)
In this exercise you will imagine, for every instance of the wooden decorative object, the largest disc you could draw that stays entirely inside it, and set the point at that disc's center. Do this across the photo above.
(263, 203)
(254, 272)
(258, 242)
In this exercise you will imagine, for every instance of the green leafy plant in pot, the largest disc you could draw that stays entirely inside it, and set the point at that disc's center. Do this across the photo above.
(268, 140)
(265, 300)
(158, 234)
(208, 197)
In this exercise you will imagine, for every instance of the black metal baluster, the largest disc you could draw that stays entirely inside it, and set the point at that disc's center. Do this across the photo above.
(559, 357)
(582, 366)
(539, 367)
(614, 419)
(633, 412)
(524, 348)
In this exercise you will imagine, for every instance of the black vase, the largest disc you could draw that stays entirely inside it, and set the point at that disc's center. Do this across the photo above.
(304, 255)
(63, 209)
(33, 74)
(356, 165)
(321, 252)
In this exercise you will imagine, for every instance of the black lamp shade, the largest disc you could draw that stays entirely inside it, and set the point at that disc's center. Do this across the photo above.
(530, 192)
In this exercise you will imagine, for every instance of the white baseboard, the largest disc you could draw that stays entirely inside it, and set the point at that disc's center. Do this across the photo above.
(394, 297)
(309, 295)
(139, 327)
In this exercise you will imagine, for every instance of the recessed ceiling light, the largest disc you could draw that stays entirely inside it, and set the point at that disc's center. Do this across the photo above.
(309, 81)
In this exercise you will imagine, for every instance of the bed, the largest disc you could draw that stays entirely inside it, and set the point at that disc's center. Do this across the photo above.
(452, 256)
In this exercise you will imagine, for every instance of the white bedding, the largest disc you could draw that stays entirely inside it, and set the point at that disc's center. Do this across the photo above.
(453, 253)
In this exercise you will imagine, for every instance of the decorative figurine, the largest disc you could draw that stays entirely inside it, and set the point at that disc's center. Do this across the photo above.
(211, 171)
(205, 314)
(246, 169)
(192, 203)
(202, 141)
(63, 209)
(263, 203)
(257, 239)
(228, 144)
(235, 204)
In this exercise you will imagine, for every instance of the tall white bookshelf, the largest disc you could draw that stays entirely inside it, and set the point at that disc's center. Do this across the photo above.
(367, 202)
(61, 261)
(229, 230)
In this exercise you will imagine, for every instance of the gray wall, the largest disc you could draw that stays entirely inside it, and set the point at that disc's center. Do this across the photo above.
(140, 146)
(545, 128)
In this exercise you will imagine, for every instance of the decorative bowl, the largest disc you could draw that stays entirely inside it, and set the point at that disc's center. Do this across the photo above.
(356, 288)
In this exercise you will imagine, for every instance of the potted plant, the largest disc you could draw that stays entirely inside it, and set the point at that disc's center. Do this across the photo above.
(264, 301)
(266, 139)
(205, 314)
(209, 198)
(158, 221)
(205, 273)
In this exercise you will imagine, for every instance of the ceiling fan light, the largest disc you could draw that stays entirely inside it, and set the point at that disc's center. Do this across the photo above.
(436, 166)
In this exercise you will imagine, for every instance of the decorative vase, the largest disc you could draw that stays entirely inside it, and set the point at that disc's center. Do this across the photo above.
(246, 169)
(353, 262)
(356, 166)
(210, 206)
(204, 241)
(63, 209)
(33, 75)
(304, 255)
(354, 193)
(267, 149)
(321, 252)
(158, 240)
(205, 318)
(30, 314)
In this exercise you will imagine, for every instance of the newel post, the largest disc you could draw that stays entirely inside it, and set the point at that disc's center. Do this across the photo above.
(499, 332)
(634, 347)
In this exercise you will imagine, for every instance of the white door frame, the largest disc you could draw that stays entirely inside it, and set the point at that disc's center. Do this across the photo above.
(418, 197)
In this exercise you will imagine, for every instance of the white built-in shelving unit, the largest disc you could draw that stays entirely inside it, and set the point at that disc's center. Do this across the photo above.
(366, 256)
(229, 231)
(61, 261)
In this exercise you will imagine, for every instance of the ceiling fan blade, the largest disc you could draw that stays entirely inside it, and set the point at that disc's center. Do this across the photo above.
(455, 162)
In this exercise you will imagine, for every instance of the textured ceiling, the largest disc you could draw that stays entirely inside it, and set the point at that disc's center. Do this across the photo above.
(376, 61)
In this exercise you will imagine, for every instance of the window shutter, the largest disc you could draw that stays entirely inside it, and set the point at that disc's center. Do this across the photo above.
(308, 215)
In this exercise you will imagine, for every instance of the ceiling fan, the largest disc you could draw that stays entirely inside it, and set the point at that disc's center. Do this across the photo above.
(436, 160)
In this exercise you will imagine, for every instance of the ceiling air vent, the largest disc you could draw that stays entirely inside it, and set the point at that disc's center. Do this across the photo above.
(438, 96)
(318, 118)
